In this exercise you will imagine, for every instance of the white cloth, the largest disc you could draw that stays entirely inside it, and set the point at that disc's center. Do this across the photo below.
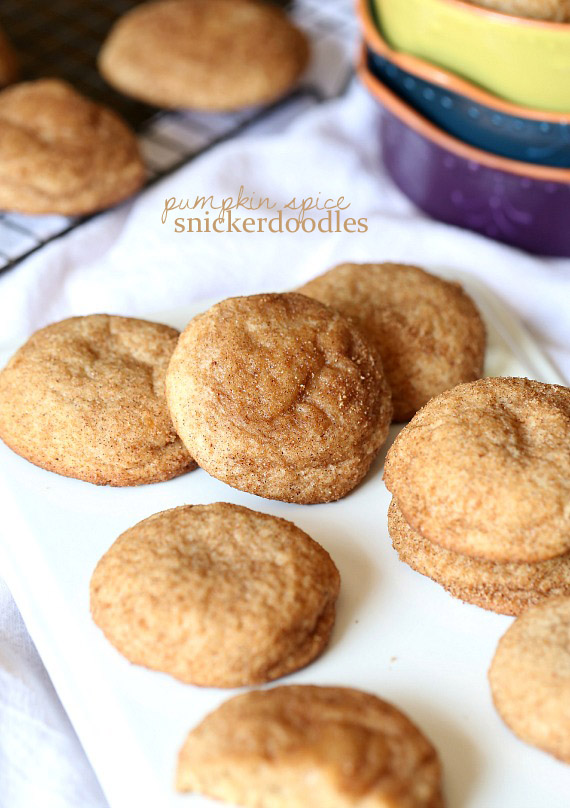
(128, 262)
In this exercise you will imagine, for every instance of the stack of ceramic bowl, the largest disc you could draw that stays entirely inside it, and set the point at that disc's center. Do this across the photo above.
(476, 129)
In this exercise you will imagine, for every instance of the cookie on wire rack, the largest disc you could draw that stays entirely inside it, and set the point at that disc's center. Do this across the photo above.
(62, 153)
(212, 55)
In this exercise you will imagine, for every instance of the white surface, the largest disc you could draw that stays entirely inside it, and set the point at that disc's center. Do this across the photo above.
(126, 262)
(397, 634)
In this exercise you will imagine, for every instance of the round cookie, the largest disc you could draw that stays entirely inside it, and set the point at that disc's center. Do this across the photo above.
(505, 588)
(85, 398)
(61, 153)
(427, 330)
(216, 595)
(204, 54)
(530, 677)
(484, 470)
(278, 395)
(9, 64)
(344, 747)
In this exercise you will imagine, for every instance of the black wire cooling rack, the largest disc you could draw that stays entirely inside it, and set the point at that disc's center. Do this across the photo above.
(62, 38)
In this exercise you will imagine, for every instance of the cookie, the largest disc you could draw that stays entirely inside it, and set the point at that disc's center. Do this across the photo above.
(506, 588)
(331, 747)
(530, 677)
(427, 330)
(550, 10)
(9, 66)
(216, 595)
(280, 396)
(204, 54)
(85, 398)
(61, 153)
(484, 470)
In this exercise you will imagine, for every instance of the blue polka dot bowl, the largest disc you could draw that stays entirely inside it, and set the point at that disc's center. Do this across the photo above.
(523, 204)
(465, 110)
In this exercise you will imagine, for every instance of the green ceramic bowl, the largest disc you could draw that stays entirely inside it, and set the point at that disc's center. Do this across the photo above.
(524, 61)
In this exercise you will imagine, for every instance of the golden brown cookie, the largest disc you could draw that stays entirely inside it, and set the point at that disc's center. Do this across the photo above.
(484, 470)
(9, 63)
(216, 595)
(530, 677)
(85, 398)
(427, 330)
(330, 747)
(550, 10)
(204, 54)
(280, 396)
(507, 588)
(61, 153)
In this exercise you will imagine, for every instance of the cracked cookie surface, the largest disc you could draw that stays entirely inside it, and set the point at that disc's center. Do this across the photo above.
(427, 330)
(278, 395)
(216, 595)
(343, 747)
(85, 398)
(484, 470)
(62, 153)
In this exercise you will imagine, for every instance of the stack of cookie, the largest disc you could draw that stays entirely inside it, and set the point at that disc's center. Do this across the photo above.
(480, 480)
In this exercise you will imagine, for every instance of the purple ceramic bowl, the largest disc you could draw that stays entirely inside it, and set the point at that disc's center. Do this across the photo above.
(522, 204)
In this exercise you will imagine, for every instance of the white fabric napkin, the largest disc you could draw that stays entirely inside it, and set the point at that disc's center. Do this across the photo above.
(128, 262)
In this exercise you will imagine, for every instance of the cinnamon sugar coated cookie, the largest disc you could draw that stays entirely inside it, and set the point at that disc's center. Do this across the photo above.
(8, 61)
(484, 470)
(280, 396)
(204, 54)
(530, 677)
(330, 747)
(507, 588)
(85, 398)
(550, 10)
(216, 595)
(61, 153)
(427, 330)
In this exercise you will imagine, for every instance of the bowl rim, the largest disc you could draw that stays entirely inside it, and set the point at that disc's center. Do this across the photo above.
(458, 148)
(445, 78)
(502, 17)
